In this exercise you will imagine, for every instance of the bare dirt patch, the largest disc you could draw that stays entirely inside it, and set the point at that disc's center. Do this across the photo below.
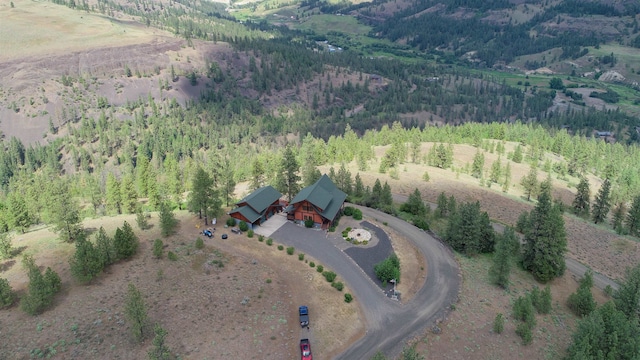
(197, 300)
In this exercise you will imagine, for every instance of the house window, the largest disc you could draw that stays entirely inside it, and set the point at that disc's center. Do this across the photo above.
(307, 208)
(307, 217)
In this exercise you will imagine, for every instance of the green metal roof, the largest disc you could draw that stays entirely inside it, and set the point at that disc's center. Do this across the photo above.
(250, 214)
(260, 199)
(324, 195)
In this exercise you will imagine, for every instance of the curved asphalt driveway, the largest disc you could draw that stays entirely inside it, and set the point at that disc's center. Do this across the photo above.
(388, 321)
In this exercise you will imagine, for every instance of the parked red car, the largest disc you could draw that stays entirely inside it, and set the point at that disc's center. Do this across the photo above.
(305, 350)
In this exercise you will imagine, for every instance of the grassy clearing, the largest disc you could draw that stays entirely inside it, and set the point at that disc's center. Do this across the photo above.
(61, 30)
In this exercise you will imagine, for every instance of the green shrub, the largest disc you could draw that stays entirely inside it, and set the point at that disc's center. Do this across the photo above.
(250, 233)
(498, 324)
(158, 248)
(329, 275)
(348, 298)
(172, 256)
(231, 222)
(348, 229)
(319, 268)
(261, 238)
(301, 256)
(332, 228)
(291, 250)
(348, 210)
(312, 264)
(280, 247)
(268, 281)
(608, 290)
(388, 269)
(421, 223)
(523, 310)
(357, 214)
(269, 241)
(243, 226)
(338, 285)
(524, 331)
(308, 223)
(199, 243)
(7, 295)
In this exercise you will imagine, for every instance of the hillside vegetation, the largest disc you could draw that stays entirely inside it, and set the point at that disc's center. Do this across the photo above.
(499, 96)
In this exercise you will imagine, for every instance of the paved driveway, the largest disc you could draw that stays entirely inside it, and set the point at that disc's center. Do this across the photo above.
(388, 322)
(271, 225)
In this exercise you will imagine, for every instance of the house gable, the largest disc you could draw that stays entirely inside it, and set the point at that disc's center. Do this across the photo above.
(324, 197)
(257, 205)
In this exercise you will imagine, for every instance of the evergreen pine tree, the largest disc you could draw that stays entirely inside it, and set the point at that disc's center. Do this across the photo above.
(6, 246)
(106, 248)
(507, 178)
(477, 165)
(602, 204)
(128, 195)
(85, 264)
(443, 207)
(160, 350)
(136, 312)
(64, 212)
(496, 171)
(125, 242)
(415, 205)
(501, 266)
(168, 221)
(113, 197)
(203, 198)
(257, 174)
(530, 183)
(581, 302)
(517, 155)
(627, 297)
(386, 197)
(358, 190)
(632, 221)
(7, 295)
(619, 213)
(545, 240)
(288, 180)
(582, 200)
(41, 288)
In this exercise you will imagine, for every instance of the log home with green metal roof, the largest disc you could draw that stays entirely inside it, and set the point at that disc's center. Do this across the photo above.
(320, 202)
(258, 206)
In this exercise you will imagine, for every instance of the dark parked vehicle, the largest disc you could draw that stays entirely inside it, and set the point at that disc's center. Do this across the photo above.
(305, 350)
(208, 233)
(224, 236)
(304, 316)
(236, 230)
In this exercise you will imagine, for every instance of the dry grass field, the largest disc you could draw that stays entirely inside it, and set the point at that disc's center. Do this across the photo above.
(198, 301)
(61, 30)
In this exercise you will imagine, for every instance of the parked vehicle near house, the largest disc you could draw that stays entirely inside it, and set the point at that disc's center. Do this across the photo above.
(304, 316)
(305, 350)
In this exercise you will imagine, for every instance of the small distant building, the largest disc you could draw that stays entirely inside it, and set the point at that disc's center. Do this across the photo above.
(258, 206)
(320, 202)
(375, 77)
(604, 134)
